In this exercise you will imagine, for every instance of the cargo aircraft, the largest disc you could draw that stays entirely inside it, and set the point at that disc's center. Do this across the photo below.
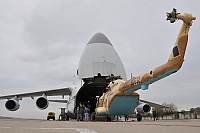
(105, 87)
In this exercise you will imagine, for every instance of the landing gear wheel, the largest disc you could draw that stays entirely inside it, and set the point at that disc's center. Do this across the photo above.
(93, 116)
(139, 117)
(67, 118)
(108, 119)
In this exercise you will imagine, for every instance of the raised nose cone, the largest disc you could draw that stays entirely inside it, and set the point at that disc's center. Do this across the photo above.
(99, 38)
(99, 56)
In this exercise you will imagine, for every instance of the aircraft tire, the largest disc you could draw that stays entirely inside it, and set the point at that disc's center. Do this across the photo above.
(67, 118)
(108, 119)
(139, 117)
(93, 116)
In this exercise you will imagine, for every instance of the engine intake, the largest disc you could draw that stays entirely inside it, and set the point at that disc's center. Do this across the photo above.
(12, 105)
(42, 103)
(143, 108)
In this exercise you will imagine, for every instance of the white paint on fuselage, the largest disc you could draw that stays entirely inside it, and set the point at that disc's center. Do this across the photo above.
(100, 58)
(72, 99)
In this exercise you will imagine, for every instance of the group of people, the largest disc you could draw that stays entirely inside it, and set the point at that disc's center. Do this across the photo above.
(83, 113)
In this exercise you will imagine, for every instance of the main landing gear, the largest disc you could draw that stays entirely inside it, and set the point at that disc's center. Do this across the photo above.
(139, 117)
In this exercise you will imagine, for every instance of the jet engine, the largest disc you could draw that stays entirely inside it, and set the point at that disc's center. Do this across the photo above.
(42, 103)
(143, 108)
(12, 105)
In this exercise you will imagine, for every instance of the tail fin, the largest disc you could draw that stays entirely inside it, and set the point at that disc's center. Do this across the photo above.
(175, 60)
(178, 52)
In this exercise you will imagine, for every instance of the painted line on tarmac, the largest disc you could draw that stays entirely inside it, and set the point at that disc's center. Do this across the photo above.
(80, 130)
(4, 127)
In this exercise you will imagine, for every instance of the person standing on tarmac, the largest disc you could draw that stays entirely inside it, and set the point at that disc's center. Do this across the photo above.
(154, 115)
(81, 113)
(87, 111)
(78, 114)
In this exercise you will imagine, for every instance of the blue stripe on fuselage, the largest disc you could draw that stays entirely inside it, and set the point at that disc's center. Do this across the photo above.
(152, 80)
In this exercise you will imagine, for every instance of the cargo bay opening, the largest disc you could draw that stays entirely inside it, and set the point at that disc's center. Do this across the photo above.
(91, 89)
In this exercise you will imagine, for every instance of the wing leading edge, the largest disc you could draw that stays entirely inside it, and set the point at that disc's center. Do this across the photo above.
(153, 104)
(54, 92)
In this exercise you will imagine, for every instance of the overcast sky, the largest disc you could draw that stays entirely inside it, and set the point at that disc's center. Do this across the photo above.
(41, 42)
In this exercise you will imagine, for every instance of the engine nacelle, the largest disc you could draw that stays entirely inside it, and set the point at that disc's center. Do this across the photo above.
(42, 103)
(12, 105)
(143, 108)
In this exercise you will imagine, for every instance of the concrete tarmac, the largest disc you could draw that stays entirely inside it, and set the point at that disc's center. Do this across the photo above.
(43, 126)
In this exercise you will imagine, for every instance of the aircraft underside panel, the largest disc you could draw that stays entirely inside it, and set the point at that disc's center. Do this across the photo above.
(123, 105)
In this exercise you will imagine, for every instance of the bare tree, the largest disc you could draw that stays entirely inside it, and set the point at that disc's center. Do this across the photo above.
(195, 110)
(170, 110)
(160, 112)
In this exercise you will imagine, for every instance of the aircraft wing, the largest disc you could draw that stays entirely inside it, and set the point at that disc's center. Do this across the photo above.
(55, 92)
(153, 104)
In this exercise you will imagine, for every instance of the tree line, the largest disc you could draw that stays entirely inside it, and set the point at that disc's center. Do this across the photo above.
(172, 110)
